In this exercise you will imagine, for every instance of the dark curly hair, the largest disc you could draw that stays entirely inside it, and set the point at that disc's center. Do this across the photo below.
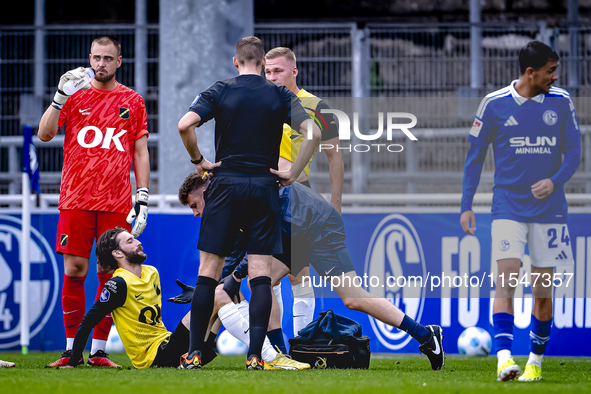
(192, 182)
(105, 245)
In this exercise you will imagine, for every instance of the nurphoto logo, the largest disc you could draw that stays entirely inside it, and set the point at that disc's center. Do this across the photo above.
(344, 128)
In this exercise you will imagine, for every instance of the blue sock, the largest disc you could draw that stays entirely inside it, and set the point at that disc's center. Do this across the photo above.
(416, 330)
(539, 335)
(503, 329)
(276, 339)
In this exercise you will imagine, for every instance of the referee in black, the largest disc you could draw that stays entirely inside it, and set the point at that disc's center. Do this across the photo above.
(243, 194)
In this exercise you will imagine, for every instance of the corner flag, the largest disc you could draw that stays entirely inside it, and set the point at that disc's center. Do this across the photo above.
(30, 164)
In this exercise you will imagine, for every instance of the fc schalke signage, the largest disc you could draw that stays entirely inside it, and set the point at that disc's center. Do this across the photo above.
(43, 285)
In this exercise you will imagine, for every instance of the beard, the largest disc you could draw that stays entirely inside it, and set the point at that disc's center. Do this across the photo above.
(104, 79)
(136, 257)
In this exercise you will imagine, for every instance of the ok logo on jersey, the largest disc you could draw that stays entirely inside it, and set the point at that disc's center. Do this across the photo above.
(109, 137)
(155, 315)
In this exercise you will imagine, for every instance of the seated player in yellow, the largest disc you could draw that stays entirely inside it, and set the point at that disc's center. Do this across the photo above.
(133, 298)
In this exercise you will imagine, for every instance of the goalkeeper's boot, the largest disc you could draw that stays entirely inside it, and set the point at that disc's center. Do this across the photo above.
(283, 361)
(433, 347)
(101, 359)
(508, 371)
(63, 360)
(532, 373)
(192, 361)
(254, 363)
(6, 364)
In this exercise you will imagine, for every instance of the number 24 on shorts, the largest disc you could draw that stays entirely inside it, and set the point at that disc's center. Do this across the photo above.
(564, 238)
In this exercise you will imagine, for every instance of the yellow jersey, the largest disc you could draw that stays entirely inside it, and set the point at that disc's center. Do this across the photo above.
(135, 305)
(291, 141)
(139, 320)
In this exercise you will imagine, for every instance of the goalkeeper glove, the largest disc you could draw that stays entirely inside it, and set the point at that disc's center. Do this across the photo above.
(232, 287)
(139, 212)
(186, 296)
(59, 99)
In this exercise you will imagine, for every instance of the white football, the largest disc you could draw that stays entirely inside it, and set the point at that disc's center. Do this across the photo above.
(114, 344)
(474, 341)
(228, 345)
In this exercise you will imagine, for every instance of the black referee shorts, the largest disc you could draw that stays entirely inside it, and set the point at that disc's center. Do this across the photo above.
(247, 203)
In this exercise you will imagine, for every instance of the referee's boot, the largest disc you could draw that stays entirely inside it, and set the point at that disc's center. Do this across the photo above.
(255, 363)
(433, 347)
(191, 361)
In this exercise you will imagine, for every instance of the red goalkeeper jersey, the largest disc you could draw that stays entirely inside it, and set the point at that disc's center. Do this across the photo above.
(101, 128)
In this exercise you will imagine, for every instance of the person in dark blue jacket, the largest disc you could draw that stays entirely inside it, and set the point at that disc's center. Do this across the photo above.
(313, 232)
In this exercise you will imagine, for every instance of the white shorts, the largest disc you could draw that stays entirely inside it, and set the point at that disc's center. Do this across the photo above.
(549, 243)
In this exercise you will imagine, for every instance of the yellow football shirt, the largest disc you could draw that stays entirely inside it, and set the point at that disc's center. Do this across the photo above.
(291, 141)
(139, 320)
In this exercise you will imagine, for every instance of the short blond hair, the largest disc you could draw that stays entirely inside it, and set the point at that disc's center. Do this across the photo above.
(107, 40)
(281, 52)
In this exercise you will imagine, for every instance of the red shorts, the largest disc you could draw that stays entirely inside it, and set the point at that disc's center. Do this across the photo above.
(77, 230)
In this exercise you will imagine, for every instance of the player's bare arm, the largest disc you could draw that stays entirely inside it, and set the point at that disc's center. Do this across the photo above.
(468, 222)
(336, 172)
(141, 162)
(284, 164)
(542, 189)
(48, 126)
(186, 128)
(306, 153)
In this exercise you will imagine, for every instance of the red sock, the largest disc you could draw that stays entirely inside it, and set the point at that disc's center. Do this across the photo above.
(73, 304)
(101, 331)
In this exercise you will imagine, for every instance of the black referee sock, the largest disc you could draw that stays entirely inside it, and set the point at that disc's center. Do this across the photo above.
(201, 310)
(260, 311)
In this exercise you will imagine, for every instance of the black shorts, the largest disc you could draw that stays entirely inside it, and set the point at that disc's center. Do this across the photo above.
(247, 203)
(170, 351)
(326, 252)
(237, 256)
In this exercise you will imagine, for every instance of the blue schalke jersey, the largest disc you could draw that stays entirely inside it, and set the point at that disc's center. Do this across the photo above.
(529, 138)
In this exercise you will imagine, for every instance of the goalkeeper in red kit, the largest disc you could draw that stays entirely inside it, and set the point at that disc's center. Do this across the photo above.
(105, 133)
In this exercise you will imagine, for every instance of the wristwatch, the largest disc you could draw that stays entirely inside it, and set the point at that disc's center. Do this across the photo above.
(198, 161)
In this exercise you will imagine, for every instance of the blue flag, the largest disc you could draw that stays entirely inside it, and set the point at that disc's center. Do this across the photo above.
(30, 164)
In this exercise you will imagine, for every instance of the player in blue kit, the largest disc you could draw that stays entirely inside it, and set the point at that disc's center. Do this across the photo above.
(249, 112)
(530, 125)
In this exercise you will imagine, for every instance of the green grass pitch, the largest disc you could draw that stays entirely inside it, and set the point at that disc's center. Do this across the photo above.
(226, 374)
